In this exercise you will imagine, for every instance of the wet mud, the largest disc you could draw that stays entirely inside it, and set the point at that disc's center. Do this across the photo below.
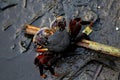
(17, 51)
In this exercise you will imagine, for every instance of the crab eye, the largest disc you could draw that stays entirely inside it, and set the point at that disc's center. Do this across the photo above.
(42, 36)
(58, 24)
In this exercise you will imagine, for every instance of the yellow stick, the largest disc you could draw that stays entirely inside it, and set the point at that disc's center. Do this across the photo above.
(100, 47)
(42, 50)
(84, 43)
(29, 29)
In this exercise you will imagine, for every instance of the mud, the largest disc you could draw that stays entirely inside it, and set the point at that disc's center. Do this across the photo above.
(17, 51)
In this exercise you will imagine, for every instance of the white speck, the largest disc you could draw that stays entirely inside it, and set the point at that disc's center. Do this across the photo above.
(98, 7)
(117, 28)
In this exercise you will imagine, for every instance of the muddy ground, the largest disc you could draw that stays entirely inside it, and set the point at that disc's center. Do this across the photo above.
(17, 52)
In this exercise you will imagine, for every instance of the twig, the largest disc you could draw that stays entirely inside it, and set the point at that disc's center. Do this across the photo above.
(36, 18)
(9, 6)
(38, 15)
(98, 72)
(7, 26)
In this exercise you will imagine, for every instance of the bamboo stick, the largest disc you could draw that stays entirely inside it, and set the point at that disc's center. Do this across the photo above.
(42, 50)
(84, 43)
(100, 47)
(31, 30)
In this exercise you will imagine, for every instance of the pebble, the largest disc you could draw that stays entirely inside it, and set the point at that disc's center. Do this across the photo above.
(13, 46)
(117, 28)
(98, 7)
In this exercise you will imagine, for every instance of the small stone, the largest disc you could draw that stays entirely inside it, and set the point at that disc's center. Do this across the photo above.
(98, 7)
(24, 45)
(13, 46)
(117, 28)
